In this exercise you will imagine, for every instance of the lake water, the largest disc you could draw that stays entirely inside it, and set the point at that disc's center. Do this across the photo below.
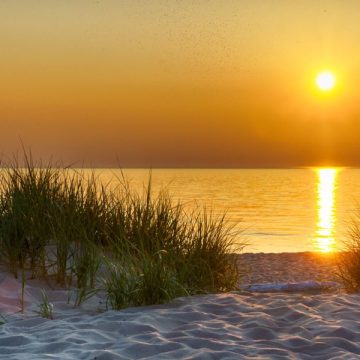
(285, 210)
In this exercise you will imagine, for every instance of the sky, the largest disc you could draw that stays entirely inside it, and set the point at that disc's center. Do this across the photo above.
(151, 83)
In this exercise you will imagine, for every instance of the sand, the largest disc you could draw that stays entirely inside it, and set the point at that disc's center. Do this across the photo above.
(244, 325)
(284, 267)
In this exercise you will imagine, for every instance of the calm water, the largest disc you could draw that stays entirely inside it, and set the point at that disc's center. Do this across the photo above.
(279, 210)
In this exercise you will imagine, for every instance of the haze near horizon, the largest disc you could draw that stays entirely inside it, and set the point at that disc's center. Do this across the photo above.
(181, 84)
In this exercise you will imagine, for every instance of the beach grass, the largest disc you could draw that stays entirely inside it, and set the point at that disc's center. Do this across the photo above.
(139, 247)
(349, 257)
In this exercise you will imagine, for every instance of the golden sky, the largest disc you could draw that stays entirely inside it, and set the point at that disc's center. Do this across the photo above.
(181, 83)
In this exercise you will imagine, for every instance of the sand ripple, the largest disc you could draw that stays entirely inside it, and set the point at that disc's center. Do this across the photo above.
(226, 326)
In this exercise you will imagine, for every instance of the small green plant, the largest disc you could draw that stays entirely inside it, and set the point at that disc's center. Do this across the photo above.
(46, 308)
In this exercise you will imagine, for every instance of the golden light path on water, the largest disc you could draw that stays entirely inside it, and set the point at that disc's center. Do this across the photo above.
(324, 240)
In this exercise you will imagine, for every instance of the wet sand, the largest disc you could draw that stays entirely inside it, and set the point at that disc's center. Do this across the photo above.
(287, 267)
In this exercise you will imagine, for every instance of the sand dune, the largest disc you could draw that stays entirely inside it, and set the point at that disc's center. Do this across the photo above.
(224, 326)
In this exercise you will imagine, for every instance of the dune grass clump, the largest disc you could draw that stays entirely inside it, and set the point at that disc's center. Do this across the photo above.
(27, 195)
(349, 258)
(163, 252)
(146, 248)
(49, 218)
(143, 280)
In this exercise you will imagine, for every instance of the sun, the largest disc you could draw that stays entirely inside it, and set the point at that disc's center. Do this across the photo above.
(325, 80)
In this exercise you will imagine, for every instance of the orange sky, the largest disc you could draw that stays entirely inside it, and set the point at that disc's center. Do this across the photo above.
(180, 83)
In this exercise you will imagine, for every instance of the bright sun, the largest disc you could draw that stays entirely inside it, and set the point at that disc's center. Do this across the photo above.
(325, 80)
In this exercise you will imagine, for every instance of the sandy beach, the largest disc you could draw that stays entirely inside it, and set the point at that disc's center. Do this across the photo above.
(179, 180)
(280, 325)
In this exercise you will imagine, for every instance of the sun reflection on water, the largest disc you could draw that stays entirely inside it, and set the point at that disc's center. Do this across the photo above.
(326, 208)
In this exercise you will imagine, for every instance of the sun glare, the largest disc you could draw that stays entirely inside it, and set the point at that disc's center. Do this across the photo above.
(325, 81)
(325, 237)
